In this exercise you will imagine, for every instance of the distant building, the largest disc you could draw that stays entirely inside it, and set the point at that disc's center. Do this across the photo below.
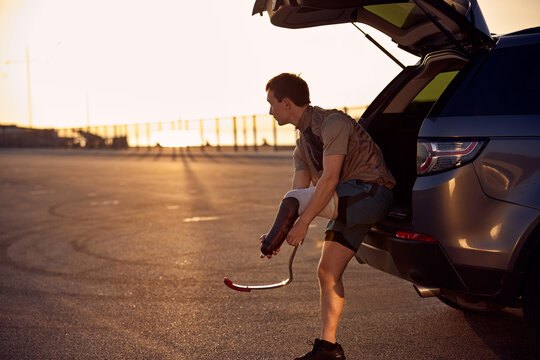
(15, 136)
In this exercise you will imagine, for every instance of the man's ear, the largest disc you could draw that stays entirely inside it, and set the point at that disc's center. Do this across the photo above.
(287, 102)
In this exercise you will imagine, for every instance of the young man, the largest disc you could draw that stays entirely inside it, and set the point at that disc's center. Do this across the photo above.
(351, 186)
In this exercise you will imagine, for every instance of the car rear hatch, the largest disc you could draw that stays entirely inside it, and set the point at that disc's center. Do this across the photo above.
(417, 26)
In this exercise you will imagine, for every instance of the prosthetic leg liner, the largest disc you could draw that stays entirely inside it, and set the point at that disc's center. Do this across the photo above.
(292, 206)
(285, 218)
(304, 196)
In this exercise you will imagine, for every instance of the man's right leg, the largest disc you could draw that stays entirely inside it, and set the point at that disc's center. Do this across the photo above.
(334, 260)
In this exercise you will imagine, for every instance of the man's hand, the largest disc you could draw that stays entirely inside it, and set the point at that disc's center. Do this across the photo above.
(261, 240)
(297, 234)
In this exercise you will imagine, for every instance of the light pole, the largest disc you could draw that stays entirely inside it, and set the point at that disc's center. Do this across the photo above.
(29, 87)
(87, 112)
(28, 83)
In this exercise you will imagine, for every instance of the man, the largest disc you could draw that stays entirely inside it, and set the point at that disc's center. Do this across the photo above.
(351, 186)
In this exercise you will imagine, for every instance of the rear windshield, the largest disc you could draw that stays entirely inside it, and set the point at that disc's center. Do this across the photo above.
(504, 82)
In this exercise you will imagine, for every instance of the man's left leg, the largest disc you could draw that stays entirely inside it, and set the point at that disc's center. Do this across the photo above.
(334, 260)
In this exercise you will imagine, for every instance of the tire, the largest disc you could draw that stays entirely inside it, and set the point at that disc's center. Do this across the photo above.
(531, 296)
(466, 303)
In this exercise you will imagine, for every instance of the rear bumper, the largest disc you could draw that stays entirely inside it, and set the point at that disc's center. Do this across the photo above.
(426, 264)
(420, 262)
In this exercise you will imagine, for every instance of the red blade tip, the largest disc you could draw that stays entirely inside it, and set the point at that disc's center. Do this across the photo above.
(230, 284)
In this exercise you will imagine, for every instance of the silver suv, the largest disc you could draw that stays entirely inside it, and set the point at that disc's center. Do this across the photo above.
(460, 132)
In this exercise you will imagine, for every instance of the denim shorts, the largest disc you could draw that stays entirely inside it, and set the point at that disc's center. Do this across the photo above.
(360, 206)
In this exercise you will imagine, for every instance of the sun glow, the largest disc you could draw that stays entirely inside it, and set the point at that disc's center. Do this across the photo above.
(106, 62)
(176, 138)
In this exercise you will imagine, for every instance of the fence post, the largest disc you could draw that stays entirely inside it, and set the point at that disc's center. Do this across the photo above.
(137, 137)
(235, 134)
(255, 133)
(201, 127)
(217, 135)
(148, 136)
(244, 130)
(106, 134)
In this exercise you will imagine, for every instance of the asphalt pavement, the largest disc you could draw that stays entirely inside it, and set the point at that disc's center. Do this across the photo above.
(121, 255)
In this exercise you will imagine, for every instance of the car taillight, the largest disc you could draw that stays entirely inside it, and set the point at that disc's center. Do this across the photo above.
(436, 156)
(414, 236)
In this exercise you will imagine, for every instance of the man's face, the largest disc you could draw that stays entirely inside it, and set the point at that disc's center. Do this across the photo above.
(278, 109)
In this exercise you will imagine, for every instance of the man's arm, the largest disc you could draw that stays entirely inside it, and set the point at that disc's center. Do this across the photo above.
(326, 186)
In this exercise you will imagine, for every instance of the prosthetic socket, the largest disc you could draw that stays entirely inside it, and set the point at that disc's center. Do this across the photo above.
(292, 206)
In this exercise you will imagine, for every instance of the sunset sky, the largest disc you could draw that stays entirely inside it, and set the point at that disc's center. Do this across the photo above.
(120, 61)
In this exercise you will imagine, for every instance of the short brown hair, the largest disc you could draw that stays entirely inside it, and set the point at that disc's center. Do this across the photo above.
(290, 86)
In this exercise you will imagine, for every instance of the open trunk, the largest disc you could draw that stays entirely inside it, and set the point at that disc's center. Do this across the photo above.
(445, 34)
(417, 26)
(394, 118)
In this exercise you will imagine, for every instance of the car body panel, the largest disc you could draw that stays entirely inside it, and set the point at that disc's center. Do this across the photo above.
(460, 23)
(529, 36)
(508, 170)
(474, 229)
(481, 126)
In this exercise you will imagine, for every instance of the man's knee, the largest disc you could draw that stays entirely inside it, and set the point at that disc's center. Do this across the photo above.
(326, 275)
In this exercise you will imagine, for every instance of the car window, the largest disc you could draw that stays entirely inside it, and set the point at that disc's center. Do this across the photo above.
(404, 15)
(435, 87)
(505, 82)
(431, 92)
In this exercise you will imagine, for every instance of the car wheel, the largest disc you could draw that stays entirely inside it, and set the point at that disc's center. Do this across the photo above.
(466, 303)
(531, 296)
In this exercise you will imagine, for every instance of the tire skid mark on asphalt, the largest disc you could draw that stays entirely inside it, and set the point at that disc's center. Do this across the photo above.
(184, 282)
(7, 261)
(127, 290)
(87, 273)
(126, 213)
(53, 210)
(10, 240)
(81, 247)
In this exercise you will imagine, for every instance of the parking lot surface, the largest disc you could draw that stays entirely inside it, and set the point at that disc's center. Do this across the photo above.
(121, 255)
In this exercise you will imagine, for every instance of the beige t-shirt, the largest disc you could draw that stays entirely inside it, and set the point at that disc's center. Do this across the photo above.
(332, 132)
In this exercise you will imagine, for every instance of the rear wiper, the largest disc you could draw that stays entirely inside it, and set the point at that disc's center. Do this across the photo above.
(380, 47)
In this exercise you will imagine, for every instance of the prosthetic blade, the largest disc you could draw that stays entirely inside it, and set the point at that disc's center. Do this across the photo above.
(248, 288)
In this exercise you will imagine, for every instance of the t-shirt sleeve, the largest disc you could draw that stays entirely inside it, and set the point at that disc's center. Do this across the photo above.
(299, 160)
(335, 135)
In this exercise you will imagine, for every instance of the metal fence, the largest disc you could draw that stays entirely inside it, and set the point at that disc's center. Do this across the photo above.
(236, 131)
